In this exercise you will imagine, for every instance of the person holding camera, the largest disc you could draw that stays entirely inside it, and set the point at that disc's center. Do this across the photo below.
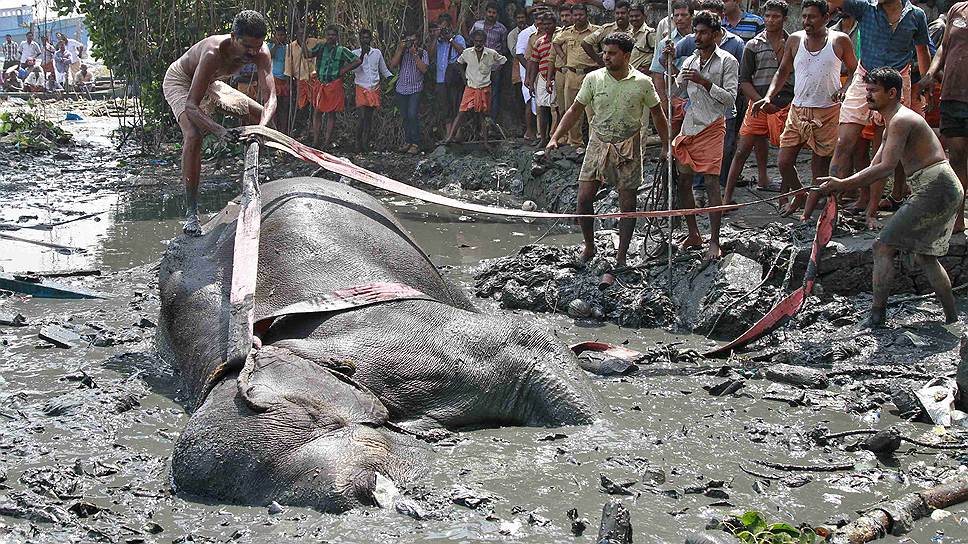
(413, 63)
(445, 47)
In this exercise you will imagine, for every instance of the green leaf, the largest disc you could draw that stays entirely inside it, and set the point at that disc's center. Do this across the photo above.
(785, 528)
(753, 521)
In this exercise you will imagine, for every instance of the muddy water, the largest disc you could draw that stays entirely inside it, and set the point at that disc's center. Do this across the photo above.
(63, 442)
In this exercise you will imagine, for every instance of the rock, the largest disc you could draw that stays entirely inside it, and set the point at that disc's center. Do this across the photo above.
(12, 319)
(797, 375)
(529, 206)
(410, 508)
(152, 528)
(84, 509)
(615, 488)
(908, 405)
(884, 442)
(537, 520)
(578, 524)
(713, 290)
(59, 336)
(727, 387)
(785, 393)
(275, 508)
(578, 308)
(616, 526)
(385, 492)
(463, 496)
(600, 364)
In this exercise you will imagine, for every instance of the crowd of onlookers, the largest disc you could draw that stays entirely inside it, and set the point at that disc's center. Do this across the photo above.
(44, 66)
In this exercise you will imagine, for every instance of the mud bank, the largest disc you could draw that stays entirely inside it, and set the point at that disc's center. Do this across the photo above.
(86, 432)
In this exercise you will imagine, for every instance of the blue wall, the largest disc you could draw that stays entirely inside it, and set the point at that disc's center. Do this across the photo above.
(16, 22)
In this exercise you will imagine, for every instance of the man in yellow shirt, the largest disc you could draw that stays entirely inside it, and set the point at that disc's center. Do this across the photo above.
(619, 95)
(478, 62)
(568, 45)
(303, 71)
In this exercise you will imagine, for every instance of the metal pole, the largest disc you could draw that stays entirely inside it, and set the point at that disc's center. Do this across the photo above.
(669, 172)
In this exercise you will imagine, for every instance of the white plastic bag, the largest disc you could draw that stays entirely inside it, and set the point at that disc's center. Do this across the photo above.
(938, 398)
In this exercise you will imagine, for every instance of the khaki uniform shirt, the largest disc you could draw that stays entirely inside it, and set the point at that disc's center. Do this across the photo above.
(570, 40)
(296, 66)
(645, 39)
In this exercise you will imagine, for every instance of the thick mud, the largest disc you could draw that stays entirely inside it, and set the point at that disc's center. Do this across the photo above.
(86, 432)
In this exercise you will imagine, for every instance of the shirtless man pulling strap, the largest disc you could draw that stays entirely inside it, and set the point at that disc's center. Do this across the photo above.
(194, 89)
(923, 224)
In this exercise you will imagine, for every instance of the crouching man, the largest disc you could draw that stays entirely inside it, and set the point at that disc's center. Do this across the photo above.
(194, 89)
(923, 224)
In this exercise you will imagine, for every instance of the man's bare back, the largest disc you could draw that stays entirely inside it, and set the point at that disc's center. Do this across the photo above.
(216, 49)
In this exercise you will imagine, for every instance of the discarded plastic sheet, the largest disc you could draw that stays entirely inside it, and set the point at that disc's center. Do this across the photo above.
(938, 398)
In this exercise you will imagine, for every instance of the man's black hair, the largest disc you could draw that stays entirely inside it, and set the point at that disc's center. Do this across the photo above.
(492, 5)
(565, 7)
(547, 16)
(716, 6)
(333, 28)
(579, 7)
(250, 23)
(889, 78)
(520, 11)
(709, 19)
(622, 4)
(777, 5)
(365, 31)
(443, 16)
(683, 4)
(623, 40)
(281, 28)
(821, 5)
(637, 7)
(477, 31)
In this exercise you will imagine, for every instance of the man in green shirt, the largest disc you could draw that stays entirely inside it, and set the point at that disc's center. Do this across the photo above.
(619, 95)
(332, 62)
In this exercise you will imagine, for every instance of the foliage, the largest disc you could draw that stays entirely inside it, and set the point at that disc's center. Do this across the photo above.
(29, 132)
(139, 39)
(753, 528)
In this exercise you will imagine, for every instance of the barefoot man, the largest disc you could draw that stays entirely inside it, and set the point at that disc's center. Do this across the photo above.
(619, 95)
(194, 89)
(710, 77)
(815, 54)
(923, 224)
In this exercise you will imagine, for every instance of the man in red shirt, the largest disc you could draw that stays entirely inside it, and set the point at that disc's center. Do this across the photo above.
(540, 78)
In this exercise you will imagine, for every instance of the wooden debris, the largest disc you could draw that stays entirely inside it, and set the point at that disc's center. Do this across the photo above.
(59, 336)
(43, 288)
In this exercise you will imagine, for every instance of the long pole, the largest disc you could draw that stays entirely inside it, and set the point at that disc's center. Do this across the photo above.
(670, 180)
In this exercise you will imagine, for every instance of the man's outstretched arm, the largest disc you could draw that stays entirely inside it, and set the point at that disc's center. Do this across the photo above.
(203, 78)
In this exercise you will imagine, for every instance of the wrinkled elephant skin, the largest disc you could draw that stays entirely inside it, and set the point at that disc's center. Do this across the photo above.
(331, 398)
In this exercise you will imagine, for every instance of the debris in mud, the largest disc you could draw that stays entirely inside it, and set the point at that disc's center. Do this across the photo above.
(552, 279)
(464, 496)
(29, 132)
(797, 375)
(616, 525)
(12, 319)
(275, 508)
(59, 336)
(578, 523)
(616, 488)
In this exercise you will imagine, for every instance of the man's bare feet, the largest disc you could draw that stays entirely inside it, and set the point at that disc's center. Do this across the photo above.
(877, 319)
(793, 206)
(690, 242)
(588, 254)
(871, 222)
(714, 253)
(192, 226)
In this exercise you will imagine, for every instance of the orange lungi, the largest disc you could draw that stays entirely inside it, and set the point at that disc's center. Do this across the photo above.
(306, 90)
(368, 98)
(678, 109)
(478, 100)
(330, 97)
(702, 152)
(764, 124)
(282, 86)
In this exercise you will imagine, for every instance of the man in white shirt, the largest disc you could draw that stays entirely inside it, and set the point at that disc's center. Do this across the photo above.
(35, 80)
(29, 49)
(520, 52)
(367, 79)
(478, 61)
(76, 50)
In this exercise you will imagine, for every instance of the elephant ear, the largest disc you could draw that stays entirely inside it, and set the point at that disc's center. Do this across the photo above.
(274, 377)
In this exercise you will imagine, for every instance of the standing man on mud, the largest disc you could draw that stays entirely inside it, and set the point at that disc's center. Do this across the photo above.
(282, 82)
(710, 77)
(619, 95)
(496, 35)
(367, 82)
(11, 52)
(816, 55)
(952, 60)
(576, 64)
(194, 89)
(894, 33)
(333, 61)
(923, 223)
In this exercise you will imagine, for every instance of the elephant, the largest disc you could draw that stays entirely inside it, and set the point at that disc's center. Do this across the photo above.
(333, 395)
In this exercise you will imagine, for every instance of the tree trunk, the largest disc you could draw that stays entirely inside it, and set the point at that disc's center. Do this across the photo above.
(898, 516)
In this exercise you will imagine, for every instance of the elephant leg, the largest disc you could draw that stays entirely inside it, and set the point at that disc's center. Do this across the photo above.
(289, 430)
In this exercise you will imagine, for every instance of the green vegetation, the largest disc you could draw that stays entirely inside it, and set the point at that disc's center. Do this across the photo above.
(29, 132)
(753, 528)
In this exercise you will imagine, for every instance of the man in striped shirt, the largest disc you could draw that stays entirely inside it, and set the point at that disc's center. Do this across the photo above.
(11, 52)
(540, 77)
(744, 24)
